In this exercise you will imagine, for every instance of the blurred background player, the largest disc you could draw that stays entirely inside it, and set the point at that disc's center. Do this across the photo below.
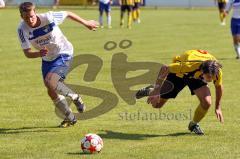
(105, 5)
(235, 23)
(194, 69)
(56, 4)
(221, 7)
(136, 10)
(126, 5)
(42, 32)
(2, 4)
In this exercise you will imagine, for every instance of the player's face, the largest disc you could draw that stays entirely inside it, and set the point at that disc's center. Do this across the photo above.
(207, 77)
(30, 18)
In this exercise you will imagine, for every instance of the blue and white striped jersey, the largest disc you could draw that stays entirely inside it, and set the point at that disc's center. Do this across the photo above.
(48, 35)
(235, 4)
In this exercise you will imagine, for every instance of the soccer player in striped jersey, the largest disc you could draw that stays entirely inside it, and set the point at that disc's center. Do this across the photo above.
(42, 32)
(235, 23)
(221, 7)
(105, 5)
(126, 5)
(2, 4)
(56, 4)
(136, 10)
(194, 68)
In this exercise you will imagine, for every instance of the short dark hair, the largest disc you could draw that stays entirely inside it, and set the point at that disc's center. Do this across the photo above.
(210, 66)
(26, 7)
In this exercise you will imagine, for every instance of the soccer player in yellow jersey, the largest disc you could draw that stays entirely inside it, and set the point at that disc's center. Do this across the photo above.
(126, 5)
(136, 10)
(194, 69)
(221, 7)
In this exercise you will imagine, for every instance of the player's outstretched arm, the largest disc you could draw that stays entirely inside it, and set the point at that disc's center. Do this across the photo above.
(90, 24)
(218, 110)
(154, 96)
(35, 54)
(161, 77)
(228, 8)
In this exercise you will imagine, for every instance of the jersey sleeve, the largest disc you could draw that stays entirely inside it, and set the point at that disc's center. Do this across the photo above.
(25, 44)
(174, 67)
(218, 79)
(58, 17)
(229, 6)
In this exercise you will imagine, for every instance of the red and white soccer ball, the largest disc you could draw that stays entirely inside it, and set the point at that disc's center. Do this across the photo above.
(91, 143)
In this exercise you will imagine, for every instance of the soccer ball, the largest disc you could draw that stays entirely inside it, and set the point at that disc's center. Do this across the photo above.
(91, 143)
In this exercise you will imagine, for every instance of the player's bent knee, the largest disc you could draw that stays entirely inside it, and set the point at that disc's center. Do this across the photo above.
(52, 94)
(206, 104)
(47, 82)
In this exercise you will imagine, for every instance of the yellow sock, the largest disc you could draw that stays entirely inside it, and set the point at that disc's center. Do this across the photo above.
(137, 13)
(221, 17)
(134, 15)
(199, 114)
(129, 19)
(121, 21)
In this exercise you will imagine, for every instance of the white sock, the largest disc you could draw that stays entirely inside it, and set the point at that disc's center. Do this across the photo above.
(101, 20)
(237, 49)
(65, 91)
(62, 105)
(109, 20)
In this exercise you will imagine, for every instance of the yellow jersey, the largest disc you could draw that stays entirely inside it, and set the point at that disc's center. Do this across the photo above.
(222, 1)
(127, 2)
(137, 1)
(188, 64)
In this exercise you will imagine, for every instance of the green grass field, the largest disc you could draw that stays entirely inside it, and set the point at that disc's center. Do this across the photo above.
(28, 122)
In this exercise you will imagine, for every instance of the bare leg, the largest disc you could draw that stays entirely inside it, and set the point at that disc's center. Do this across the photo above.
(51, 81)
(236, 42)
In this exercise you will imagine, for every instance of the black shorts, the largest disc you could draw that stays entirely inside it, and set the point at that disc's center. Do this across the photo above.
(126, 7)
(136, 5)
(179, 84)
(221, 5)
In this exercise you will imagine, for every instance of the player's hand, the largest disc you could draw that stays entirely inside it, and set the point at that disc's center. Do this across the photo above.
(43, 52)
(154, 97)
(92, 25)
(219, 115)
(225, 14)
(153, 100)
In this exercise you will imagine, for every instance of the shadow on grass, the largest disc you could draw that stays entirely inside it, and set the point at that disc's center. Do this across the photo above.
(126, 136)
(27, 130)
(79, 153)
